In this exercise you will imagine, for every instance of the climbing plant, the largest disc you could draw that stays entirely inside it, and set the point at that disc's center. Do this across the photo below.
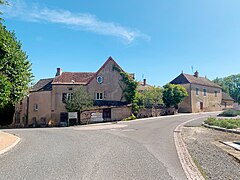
(130, 88)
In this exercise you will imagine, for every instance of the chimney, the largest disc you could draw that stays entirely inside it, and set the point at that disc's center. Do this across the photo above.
(144, 82)
(59, 72)
(196, 74)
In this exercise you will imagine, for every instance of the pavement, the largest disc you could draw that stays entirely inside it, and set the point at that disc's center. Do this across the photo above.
(7, 141)
(142, 149)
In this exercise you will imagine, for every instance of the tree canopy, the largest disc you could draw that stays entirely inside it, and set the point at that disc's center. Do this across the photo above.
(79, 101)
(230, 85)
(15, 69)
(151, 97)
(173, 94)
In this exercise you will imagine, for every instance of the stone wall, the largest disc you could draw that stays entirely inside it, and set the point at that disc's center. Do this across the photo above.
(155, 112)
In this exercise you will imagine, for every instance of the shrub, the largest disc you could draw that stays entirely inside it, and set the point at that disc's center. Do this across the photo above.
(225, 123)
(230, 113)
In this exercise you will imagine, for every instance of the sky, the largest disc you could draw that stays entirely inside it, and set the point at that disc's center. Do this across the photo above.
(155, 39)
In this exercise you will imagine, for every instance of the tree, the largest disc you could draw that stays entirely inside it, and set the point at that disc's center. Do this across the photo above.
(151, 97)
(80, 100)
(230, 85)
(15, 74)
(173, 94)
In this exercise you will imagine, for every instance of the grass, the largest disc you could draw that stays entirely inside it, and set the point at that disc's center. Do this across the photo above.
(224, 123)
(230, 113)
(204, 174)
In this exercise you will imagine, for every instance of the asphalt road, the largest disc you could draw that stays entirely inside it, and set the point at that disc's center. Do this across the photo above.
(143, 149)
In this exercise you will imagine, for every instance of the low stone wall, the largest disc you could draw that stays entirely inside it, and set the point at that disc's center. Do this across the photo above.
(155, 112)
(117, 113)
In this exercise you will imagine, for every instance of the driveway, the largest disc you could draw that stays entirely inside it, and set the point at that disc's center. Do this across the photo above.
(142, 149)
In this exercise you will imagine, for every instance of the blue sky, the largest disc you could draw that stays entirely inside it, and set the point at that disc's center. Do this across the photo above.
(155, 39)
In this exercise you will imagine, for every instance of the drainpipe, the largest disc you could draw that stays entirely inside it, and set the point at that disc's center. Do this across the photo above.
(27, 111)
(191, 97)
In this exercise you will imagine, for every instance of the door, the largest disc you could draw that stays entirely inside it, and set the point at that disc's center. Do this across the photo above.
(201, 106)
(107, 114)
(63, 119)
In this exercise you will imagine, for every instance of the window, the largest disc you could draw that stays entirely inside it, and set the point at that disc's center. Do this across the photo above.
(215, 93)
(100, 79)
(66, 97)
(204, 92)
(197, 91)
(35, 107)
(99, 96)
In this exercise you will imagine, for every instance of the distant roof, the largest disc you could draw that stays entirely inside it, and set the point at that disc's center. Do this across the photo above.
(187, 78)
(73, 77)
(43, 85)
(226, 96)
(142, 87)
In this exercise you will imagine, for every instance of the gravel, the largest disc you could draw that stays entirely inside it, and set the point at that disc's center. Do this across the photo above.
(214, 161)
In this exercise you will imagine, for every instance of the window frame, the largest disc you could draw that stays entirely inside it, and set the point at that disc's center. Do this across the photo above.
(204, 92)
(99, 96)
(197, 91)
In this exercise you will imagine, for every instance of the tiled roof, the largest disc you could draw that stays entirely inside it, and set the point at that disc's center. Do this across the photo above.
(43, 85)
(226, 96)
(141, 86)
(187, 78)
(76, 77)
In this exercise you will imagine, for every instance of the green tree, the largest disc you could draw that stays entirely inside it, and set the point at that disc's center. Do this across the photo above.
(151, 97)
(15, 74)
(230, 85)
(129, 88)
(80, 100)
(173, 94)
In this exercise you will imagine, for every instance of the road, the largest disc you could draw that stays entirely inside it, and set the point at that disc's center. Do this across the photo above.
(142, 149)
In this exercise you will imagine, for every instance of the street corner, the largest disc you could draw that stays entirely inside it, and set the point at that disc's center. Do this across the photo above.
(7, 141)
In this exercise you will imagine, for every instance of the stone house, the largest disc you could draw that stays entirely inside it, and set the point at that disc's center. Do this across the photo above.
(227, 101)
(203, 94)
(46, 100)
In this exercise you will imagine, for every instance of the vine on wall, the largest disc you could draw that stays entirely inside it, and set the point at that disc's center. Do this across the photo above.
(130, 90)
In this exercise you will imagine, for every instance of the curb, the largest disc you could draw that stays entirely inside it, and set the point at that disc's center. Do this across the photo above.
(11, 146)
(189, 167)
(221, 129)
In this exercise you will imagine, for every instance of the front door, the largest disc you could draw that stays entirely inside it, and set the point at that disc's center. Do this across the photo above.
(201, 106)
(107, 114)
(63, 119)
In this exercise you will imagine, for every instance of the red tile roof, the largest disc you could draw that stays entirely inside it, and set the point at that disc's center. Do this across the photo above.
(76, 77)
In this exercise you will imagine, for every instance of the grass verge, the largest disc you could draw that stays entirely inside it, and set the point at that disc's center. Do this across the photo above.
(224, 123)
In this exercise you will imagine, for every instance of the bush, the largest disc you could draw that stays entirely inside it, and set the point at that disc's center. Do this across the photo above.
(132, 117)
(230, 113)
(224, 123)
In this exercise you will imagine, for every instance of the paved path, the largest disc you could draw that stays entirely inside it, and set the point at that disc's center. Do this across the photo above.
(7, 141)
(142, 149)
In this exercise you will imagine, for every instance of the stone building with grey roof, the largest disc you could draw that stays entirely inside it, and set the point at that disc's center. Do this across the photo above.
(46, 100)
(203, 94)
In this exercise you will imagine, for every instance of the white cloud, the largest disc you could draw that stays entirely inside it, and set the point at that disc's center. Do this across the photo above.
(79, 21)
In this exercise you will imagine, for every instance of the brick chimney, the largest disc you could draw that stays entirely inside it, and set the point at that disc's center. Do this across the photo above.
(196, 74)
(59, 72)
(144, 82)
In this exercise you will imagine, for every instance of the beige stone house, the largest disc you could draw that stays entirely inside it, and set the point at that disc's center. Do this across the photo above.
(46, 100)
(227, 101)
(203, 94)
